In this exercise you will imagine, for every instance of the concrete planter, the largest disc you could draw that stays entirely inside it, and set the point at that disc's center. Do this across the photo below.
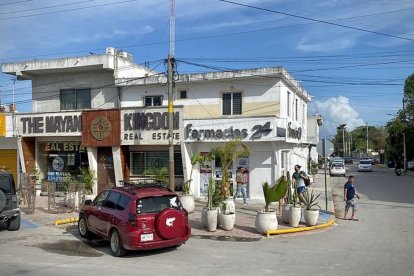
(311, 217)
(286, 213)
(227, 221)
(211, 220)
(187, 201)
(265, 221)
(295, 214)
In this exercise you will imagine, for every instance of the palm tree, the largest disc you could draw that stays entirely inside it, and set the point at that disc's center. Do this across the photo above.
(227, 153)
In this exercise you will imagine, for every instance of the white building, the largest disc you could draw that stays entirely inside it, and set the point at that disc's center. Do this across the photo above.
(106, 112)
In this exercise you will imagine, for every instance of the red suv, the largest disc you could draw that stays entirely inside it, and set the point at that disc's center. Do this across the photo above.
(136, 217)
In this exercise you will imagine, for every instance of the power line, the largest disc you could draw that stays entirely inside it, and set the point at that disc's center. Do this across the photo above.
(48, 7)
(316, 20)
(67, 10)
(17, 2)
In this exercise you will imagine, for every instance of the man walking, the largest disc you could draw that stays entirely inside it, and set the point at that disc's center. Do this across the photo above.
(349, 197)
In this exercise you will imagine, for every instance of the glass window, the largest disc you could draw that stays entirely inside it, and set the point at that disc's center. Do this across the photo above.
(288, 104)
(100, 199)
(112, 200)
(183, 94)
(123, 202)
(144, 162)
(153, 101)
(73, 99)
(157, 204)
(232, 103)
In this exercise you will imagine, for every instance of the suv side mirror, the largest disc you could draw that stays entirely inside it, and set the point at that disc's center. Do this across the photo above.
(88, 202)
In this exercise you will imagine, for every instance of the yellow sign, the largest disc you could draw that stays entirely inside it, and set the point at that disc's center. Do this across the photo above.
(2, 124)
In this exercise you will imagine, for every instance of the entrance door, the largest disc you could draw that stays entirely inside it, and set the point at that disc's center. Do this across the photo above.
(106, 173)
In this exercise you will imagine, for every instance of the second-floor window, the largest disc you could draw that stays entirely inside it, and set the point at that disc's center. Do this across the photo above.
(288, 104)
(232, 103)
(73, 99)
(153, 101)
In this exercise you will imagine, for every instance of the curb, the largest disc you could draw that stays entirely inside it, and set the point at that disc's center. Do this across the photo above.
(300, 229)
(64, 221)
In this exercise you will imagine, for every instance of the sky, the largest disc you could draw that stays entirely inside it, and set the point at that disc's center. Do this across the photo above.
(351, 56)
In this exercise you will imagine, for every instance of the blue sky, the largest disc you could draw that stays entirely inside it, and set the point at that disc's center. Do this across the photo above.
(354, 76)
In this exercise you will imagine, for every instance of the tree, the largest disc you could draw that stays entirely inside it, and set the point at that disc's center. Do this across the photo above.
(409, 98)
(227, 153)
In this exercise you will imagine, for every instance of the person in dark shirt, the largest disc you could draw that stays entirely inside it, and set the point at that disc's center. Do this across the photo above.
(349, 197)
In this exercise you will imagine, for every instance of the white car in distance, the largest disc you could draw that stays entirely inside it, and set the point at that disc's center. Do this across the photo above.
(365, 165)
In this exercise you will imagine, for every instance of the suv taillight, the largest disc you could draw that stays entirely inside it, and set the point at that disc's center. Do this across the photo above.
(132, 219)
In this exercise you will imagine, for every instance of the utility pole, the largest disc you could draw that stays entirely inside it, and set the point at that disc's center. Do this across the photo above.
(404, 145)
(170, 81)
(367, 139)
(343, 141)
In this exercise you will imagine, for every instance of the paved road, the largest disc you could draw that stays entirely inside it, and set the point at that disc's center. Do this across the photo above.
(381, 243)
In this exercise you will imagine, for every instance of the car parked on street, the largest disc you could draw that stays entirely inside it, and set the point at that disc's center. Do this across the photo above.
(337, 169)
(365, 165)
(410, 165)
(9, 203)
(138, 216)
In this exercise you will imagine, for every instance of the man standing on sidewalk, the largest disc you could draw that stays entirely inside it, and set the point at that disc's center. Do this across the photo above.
(349, 197)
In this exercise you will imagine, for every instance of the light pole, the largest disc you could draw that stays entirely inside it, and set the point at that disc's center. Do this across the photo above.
(367, 139)
(404, 146)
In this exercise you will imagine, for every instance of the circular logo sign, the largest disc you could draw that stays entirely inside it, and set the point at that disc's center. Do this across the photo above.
(58, 163)
(100, 128)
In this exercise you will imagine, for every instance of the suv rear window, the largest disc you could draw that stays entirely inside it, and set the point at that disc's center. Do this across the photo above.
(157, 204)
(364, 162)
(7, 184)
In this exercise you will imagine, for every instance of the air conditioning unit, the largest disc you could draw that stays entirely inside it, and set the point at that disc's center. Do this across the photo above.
(110, 51)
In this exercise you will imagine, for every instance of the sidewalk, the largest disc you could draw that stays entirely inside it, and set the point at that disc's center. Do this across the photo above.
(244, 228)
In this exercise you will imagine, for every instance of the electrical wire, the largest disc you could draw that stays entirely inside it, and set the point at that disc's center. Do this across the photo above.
(316, 20)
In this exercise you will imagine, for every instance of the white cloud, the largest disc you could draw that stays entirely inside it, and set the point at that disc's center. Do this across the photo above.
(337, 111)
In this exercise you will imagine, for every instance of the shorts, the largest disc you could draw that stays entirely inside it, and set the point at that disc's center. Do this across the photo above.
(351, 203)
(300, 189)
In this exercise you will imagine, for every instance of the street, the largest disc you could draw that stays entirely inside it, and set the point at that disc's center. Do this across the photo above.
(380, 243)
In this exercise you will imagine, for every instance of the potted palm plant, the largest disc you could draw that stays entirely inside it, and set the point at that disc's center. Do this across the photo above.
(211, 213)
(289, 202)
(266, 218)
(186, 198)
(87, 178)
(310, 214)
(228, 153)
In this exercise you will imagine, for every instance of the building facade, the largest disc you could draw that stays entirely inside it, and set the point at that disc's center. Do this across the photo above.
(109, 114)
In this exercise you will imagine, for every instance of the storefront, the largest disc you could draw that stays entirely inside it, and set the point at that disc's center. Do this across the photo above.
(52, 145)
(275, 145)
(145, 140)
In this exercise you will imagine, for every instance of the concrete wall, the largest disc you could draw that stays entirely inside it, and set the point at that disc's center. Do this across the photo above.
(204, 99)
(46, 89)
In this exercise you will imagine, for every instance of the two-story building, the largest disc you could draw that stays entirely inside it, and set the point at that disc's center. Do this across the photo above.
(105, 112)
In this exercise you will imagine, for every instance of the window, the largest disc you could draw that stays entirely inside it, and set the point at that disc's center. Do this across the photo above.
(303, 114)
(296, 109)
(183, 94)
(142, 163)
(72, 99)
(288, 104)
(153, 101)
(112, 200)
(232, 103)
(157, 204)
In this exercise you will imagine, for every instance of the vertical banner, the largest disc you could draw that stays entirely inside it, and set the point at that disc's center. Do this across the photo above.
(205, 173)
(2, 124)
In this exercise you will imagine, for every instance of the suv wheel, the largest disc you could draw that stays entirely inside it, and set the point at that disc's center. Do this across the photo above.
(2, 200)
(83, 228)
(117, 248)
(14, 223)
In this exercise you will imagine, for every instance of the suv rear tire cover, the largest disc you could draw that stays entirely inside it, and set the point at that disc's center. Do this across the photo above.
(169, 224)
(2, 200)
